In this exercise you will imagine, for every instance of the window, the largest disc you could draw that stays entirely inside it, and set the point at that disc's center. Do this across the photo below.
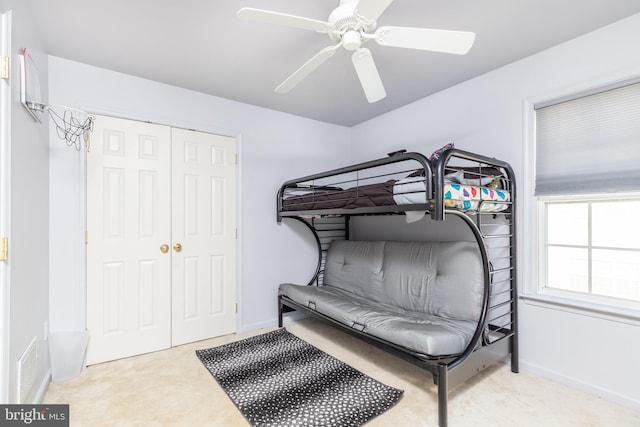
(587, 187)
(592, 247)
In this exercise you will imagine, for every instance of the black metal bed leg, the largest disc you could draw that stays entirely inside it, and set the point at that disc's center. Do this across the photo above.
(279, 312)
(515, 358)
(442, 395)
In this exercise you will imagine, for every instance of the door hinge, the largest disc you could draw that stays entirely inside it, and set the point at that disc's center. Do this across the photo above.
(235, 156)
(236, 308)
(86, 237)
(4, 67)
(236, 236)
(4, 249)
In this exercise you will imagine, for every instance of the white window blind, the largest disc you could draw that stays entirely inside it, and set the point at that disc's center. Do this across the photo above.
(590, 144)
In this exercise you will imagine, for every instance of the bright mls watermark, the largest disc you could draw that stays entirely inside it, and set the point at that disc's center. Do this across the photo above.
(34, 415)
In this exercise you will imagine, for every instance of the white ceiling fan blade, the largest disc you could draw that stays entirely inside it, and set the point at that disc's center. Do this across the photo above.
(308, 67)
(372, 9)
(270, 17)
(446, 41)
(368, 75)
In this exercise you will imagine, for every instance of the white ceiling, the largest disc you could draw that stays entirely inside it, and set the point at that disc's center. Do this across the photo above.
(201, 45)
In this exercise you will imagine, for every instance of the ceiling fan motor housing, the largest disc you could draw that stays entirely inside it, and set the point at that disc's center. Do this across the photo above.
(344, 20)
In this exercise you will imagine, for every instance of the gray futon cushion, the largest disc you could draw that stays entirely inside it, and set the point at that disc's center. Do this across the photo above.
(424, 296)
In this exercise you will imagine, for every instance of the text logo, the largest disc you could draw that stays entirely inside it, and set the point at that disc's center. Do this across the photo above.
(34, 415)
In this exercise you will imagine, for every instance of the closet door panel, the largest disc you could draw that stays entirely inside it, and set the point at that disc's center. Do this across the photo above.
(128, 220)
(204, 226)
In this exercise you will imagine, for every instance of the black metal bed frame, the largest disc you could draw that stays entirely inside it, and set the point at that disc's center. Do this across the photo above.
(495, 337)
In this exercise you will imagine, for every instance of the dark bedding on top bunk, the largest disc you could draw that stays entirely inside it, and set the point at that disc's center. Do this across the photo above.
(382, 194)
(357, 197)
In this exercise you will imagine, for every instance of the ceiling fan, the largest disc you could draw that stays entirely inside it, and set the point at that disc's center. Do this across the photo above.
(352, 24)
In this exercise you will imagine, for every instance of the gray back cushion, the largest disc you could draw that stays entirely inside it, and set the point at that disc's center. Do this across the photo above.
(440, 278)
(356, 267)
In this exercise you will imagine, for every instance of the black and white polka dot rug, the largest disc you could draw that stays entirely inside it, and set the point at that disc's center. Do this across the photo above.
(277, 379)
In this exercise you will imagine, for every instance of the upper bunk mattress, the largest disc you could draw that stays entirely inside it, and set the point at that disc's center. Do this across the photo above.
(408, 191)
(464, 197)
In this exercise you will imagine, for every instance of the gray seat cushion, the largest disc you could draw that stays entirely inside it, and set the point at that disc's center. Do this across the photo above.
(420, 332)
(424, 296)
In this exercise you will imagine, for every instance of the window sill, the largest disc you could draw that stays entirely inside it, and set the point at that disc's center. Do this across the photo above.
(629, 316)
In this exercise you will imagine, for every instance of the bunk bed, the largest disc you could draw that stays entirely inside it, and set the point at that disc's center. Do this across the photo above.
(478, 190)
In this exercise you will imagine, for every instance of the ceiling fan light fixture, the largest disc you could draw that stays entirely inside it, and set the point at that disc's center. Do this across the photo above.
(351, 40)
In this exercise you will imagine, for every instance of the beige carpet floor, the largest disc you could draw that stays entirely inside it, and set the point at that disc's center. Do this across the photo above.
(173, 388)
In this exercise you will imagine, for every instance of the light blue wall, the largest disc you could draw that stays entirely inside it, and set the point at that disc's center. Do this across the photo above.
(29, 205)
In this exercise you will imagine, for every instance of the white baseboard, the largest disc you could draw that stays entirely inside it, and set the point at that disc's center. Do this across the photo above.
(611, 396)
(38, 397)
(294, 316)
(288, 317)
(255, 326)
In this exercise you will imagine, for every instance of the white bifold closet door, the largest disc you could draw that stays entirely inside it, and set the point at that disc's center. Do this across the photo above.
(204, 224)
(160, 238)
